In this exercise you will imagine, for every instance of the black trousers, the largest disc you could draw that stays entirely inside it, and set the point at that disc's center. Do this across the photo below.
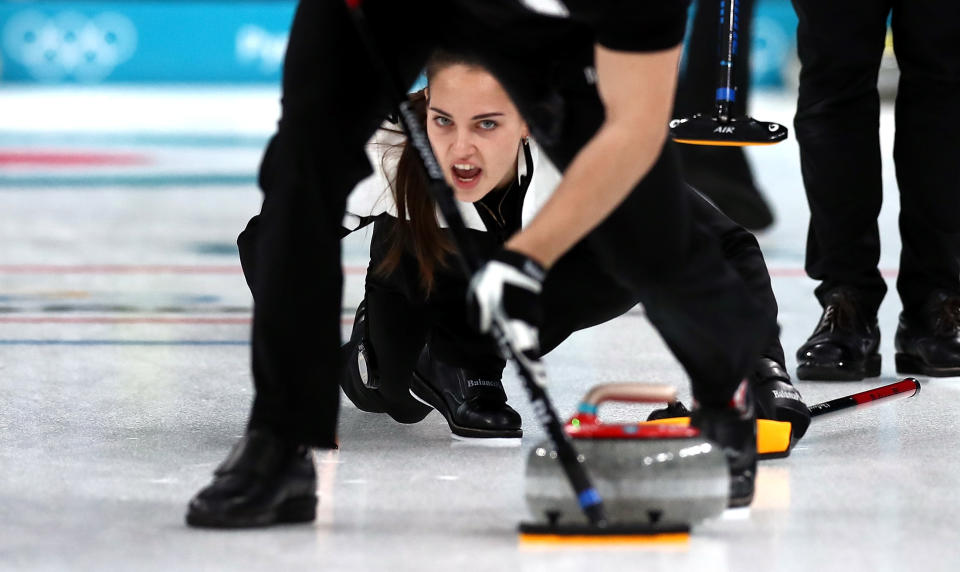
(578, 294)
(840, 46)
(332, 103)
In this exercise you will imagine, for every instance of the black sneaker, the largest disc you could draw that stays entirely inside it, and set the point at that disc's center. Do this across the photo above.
(263, 481)
(733, 427)
(777, 398)
(360, 378)
(928, 341)
(844, 346)
(473, 404)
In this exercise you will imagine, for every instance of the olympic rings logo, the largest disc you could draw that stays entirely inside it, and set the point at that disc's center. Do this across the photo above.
(69, 45)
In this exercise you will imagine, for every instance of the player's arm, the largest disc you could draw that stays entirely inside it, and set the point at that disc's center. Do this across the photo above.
(637, 91)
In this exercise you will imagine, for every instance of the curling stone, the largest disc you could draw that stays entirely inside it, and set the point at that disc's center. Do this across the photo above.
(661, 476)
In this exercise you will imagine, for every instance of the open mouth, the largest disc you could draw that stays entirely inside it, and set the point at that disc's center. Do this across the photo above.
(466, 173)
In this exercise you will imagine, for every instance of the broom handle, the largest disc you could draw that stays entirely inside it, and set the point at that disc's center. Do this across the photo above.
(905, 388)
(729, 44)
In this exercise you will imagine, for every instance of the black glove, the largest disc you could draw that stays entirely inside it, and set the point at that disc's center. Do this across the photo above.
(506, 291)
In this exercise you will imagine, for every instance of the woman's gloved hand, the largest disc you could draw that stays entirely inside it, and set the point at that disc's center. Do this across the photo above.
(506, 291)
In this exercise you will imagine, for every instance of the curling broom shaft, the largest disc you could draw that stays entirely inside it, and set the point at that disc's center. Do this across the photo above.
(901, 389)
(729, 40)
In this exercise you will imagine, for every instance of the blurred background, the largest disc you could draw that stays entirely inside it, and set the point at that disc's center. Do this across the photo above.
(48, 42)
(110, 97)
(179, 41)
(200, 69)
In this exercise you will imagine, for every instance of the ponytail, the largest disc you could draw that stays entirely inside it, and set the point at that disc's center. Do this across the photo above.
(417, 230)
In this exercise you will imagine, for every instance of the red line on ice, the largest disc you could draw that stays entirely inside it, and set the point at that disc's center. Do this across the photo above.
(801, 273)
(108, 320)
(233, 269)
(135, 269)
(70, 159)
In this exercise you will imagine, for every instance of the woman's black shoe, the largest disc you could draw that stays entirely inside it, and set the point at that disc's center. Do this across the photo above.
(844, 346)
(263, 481)
(360, 380)
(928, 342)
(474, 405)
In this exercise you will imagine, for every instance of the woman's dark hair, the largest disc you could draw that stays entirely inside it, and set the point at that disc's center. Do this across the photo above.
(417, 231)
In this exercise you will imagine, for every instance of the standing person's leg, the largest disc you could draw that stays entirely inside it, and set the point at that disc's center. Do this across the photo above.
(926, 151)
(837, 123)
(721, 173)
(332, 103)
(775, 394)
(741, 249)
(653, 247)
(578, 294)
(699, 304)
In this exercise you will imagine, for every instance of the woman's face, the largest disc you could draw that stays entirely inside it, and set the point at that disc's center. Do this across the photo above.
(474, 130)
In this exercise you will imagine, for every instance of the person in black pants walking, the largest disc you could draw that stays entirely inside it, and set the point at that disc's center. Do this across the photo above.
(840, 45)
(621, 197)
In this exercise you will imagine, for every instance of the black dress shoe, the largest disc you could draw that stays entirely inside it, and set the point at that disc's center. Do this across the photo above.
(844, 346)
(734, 428)
(263, 481)
(360, 379)
(777, 398)
(928, 342)
(473, 404)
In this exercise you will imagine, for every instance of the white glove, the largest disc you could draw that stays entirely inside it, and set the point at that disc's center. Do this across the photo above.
(506, 291)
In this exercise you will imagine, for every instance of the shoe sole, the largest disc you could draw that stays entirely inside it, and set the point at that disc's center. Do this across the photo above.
(422, 391)
(291, 511)
(856, 371)
(493, 442)
(740, 502)
(907, 364)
